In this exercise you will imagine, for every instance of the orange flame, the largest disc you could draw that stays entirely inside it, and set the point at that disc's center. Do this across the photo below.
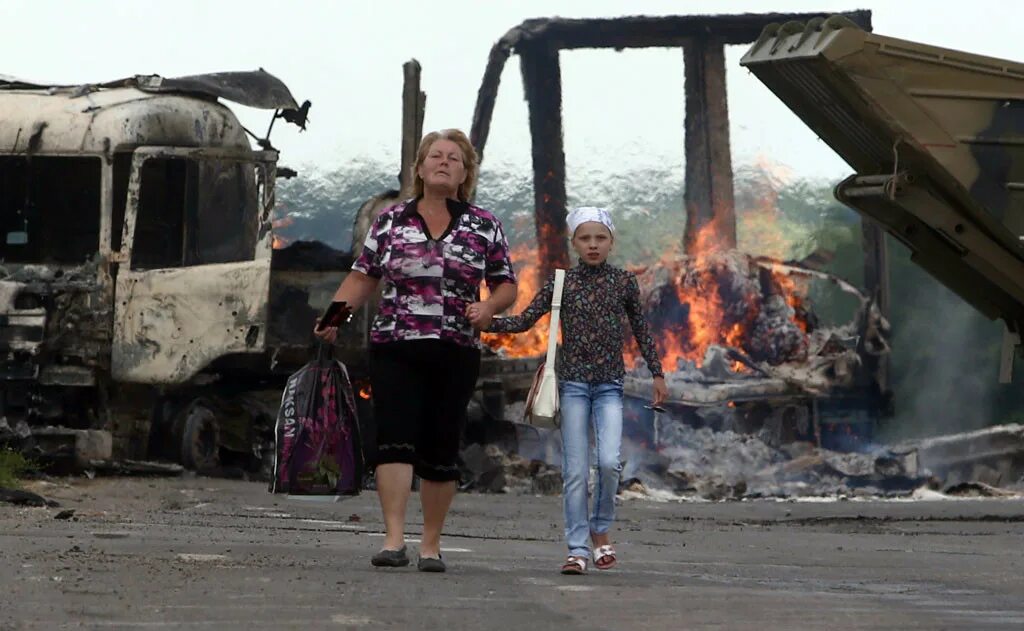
(534, 342)
(703, 317)
(792, 291)
(277, 241)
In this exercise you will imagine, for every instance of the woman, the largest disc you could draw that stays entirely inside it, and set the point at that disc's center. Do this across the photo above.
(597, 298)
(432, 252)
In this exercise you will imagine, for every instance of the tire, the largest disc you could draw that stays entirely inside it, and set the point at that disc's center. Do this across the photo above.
(200, 437)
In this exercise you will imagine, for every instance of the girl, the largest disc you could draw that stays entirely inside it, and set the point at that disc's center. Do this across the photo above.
(590, 370)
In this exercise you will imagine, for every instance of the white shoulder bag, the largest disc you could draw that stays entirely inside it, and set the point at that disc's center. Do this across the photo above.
(542, 402)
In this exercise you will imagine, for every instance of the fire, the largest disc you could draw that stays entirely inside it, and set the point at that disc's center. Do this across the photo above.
(717, 297)
(534, 342)
(793, 290)
(364, 391)
(703, 309)
(713, 296)
(757, 209)
(278, 241)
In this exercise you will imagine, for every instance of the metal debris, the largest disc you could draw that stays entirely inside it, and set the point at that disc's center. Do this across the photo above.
(24, 498)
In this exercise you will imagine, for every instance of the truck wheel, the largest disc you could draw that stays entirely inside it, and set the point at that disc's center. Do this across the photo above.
(200, 438)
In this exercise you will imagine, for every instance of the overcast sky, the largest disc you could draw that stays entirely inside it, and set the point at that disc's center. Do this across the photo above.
(621, 109)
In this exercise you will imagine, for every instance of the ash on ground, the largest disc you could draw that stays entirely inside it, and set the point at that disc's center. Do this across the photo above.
(704, 464)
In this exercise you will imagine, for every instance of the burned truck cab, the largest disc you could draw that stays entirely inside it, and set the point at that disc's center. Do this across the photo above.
(135, 246)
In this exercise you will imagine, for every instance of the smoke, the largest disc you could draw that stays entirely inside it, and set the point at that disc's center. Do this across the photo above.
(945, 357)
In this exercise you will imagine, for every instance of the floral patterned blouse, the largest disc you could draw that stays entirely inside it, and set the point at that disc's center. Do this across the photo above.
(429, 282)
(595, 301)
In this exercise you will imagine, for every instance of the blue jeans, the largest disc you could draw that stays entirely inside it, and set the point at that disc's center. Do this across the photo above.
(579, 403)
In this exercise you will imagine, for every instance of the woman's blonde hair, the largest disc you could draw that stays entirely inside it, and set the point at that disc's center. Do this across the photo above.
(469, 161)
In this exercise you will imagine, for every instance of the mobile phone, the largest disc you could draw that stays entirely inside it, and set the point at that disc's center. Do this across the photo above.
(337, 313)
(656, 408)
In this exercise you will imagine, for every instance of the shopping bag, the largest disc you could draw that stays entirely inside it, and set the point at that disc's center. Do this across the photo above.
(318, 450)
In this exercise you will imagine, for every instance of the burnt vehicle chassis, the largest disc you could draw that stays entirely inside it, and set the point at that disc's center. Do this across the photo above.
(143, 310)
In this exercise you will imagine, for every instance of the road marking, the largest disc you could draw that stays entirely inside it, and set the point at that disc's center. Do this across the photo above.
(346, 619)
(336, 524)
(202, 558)
(575, 588)
(443, 549)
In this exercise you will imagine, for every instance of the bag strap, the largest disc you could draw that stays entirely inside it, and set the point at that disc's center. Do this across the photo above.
(556, 308)
(322, 352)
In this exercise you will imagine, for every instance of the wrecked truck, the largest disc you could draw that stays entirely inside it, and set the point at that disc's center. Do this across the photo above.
(143, 310)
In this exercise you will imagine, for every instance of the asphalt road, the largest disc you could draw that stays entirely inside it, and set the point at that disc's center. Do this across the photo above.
(215, 554)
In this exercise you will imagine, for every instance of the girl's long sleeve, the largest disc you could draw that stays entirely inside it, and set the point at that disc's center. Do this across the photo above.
(641, 330)
(540, 305)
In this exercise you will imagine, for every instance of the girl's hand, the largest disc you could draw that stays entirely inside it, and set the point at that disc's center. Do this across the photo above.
(480, 315)
(660, 390)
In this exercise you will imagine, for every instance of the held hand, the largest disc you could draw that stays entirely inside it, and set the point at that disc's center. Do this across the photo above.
(480, 315)
(660, 391)
(327, 334)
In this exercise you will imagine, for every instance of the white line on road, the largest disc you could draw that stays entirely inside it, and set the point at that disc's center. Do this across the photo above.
(336, 524)
(443, 549)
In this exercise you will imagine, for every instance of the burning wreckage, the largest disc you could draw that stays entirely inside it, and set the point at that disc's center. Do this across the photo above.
(734, 327)
(765, 400)
(742, 350)
(148, 314)
(754, 379)
(163, 222)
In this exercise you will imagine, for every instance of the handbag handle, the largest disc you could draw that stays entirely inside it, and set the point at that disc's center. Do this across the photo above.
(556, 308)
(324, 352)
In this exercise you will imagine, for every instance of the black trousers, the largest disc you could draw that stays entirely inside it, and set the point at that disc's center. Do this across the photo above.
(420, 392)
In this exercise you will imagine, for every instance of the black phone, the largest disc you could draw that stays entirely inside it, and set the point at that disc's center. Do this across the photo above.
(337, 313)
(656, 408)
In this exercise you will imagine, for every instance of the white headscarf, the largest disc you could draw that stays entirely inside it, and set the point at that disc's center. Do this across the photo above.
(583, 214)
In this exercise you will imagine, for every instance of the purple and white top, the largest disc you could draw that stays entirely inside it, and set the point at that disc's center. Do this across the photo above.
(429, 283)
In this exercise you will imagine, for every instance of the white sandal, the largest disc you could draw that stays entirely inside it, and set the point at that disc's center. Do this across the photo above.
(605, 552)
(574, 565)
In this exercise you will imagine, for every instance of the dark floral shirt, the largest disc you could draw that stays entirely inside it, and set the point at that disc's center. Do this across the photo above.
(595, 301)
(428, 283)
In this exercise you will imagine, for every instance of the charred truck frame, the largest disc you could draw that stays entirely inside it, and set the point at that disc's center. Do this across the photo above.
(708, 184)
(137, 268)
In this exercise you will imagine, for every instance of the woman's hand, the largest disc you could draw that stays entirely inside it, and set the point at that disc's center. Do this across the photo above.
(480, 315)
(327, 334)
(660, 390)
